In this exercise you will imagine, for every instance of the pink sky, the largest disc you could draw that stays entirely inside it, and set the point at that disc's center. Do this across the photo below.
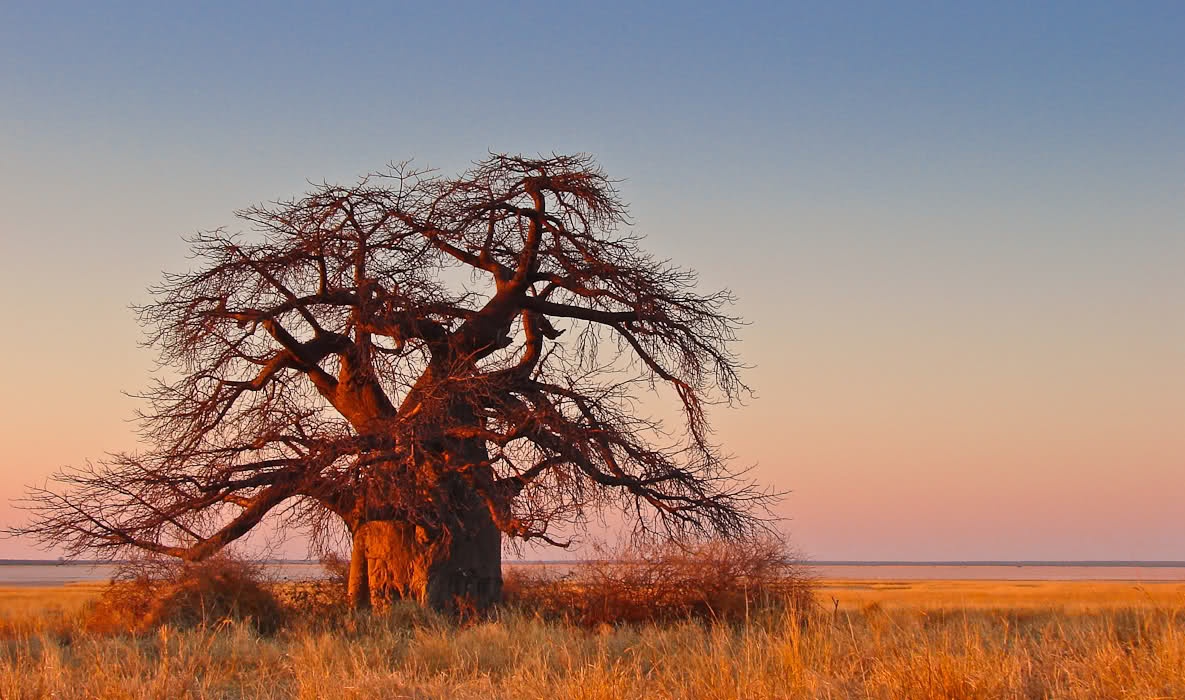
(903, 431)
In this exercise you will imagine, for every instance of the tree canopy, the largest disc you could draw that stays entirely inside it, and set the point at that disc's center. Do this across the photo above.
(412, 347)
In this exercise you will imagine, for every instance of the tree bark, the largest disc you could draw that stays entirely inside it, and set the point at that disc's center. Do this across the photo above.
(457, 568)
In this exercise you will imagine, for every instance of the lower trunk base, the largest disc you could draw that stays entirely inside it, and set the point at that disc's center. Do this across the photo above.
(457, 572)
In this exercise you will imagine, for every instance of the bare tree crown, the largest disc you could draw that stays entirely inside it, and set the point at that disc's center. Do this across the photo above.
(369, 351)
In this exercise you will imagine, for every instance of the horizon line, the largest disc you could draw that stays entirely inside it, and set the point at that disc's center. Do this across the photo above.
(1150, 563)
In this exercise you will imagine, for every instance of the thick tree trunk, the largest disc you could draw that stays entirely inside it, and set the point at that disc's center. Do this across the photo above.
(456, 569)
(438, 545)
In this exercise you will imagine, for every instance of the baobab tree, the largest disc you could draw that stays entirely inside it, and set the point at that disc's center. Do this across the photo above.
(434, 363)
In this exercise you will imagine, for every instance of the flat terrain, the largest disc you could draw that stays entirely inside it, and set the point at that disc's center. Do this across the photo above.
(923, 640)
(20, 601)
(852, 594)
(1070, 596)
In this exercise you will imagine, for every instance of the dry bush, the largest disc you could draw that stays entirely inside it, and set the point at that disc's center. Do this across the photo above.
(318, 604)
(712, 581)
(151, 592)
(337, 569)
(322, 602)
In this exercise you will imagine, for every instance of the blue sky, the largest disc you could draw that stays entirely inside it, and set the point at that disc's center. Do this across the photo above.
(956, 228)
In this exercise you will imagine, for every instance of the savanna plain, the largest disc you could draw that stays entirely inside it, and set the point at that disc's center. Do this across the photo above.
(221, 633)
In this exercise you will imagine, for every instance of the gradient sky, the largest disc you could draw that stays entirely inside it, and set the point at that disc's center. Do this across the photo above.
(956, 229)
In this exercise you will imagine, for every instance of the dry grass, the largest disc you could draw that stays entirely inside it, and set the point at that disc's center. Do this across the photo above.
(1063, 596)
(886, 640)
(70, 598)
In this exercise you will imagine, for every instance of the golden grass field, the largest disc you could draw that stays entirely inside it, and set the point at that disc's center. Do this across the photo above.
(884, 639)
(1069, 596)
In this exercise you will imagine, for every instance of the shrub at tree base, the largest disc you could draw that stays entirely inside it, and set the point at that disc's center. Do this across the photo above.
(321, 602)
(146, 594)
(711, 581)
